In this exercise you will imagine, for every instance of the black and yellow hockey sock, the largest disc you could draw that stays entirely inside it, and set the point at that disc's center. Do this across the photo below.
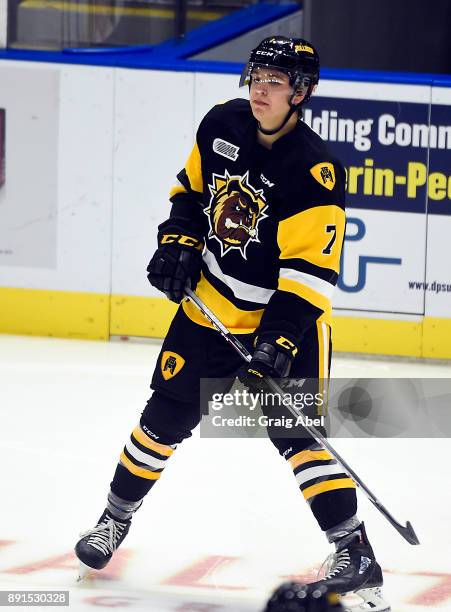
(327, 489)
(140, 466)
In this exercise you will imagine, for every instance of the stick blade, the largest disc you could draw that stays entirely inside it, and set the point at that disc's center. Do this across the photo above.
(408, 533)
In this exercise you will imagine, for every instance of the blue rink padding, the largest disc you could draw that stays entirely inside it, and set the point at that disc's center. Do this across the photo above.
(149, 60)
(174, 55)
(171, 54)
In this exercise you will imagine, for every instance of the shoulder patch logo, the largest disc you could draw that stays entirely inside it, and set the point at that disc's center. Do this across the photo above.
(171, 364)
(324, 173)
(226, 149)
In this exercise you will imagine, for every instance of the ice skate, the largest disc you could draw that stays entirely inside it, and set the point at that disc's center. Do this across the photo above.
(353, 569)
(96, 546)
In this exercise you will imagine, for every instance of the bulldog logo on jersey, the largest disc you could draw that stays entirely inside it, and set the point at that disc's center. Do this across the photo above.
(235, 211)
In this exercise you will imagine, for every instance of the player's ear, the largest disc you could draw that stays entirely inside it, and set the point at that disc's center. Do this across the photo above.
(298, 98)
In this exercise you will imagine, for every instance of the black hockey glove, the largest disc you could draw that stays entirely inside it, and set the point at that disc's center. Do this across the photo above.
(177, 261)
(272, 356)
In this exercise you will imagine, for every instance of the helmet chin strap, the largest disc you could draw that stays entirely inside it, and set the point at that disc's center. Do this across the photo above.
(277, 129)
(293, 108)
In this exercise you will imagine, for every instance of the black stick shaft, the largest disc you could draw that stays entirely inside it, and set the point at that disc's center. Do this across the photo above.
(406, 531)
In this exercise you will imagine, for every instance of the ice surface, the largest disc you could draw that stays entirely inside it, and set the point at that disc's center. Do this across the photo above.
(225, 524)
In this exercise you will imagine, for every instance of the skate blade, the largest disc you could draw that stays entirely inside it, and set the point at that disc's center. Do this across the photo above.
(83, 571)
(373, 601)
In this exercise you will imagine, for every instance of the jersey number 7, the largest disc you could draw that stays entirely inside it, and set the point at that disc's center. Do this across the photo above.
(329, 230)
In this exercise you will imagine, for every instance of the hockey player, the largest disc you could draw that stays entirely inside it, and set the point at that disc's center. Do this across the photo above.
(256, 227)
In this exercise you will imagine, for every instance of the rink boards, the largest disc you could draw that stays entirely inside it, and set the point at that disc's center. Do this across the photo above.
(90, 154)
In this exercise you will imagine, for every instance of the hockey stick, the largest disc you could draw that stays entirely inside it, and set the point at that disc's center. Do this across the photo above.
(406, 531)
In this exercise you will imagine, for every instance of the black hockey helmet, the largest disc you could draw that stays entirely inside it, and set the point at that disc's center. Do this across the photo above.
(296, 57)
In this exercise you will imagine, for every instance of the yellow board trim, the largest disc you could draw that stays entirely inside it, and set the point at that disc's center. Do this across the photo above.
(102, 9)
(63, 314)
(436, 338)
(94, 316)
(141, 316)
(306, 456)
(137, 471)
(161, 449)
(378, 336)
(328, 485)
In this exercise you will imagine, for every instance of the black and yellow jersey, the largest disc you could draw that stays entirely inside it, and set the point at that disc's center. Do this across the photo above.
(273, 221)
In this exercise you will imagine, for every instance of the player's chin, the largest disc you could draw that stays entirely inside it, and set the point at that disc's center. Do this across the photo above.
(259, 108)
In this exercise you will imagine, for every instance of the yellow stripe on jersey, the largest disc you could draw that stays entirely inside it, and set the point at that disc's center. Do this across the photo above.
(306, 236)
(161, 449)
(306, 456)
(328, 485)
(194, 170)
(312, 296)
(238, 321)
(177, 189)
(323, 331)
(138, 471)
(323, 370)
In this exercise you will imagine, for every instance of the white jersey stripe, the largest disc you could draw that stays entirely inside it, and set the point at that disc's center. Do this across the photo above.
(320, 470)
(313, 282)
(242, 291)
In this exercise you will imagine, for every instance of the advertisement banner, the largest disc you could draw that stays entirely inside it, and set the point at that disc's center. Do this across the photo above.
(383, 145)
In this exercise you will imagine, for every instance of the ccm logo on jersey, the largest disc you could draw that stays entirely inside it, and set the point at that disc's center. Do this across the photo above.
(324, 173)
(226, 149)
(265, 181)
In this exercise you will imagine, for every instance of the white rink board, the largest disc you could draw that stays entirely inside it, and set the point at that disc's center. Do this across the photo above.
(211, 89)
(120, 138)
(388, 235)
(82, 118)
(374, 91)
(438, 272)
(154, 134)
(28, 196)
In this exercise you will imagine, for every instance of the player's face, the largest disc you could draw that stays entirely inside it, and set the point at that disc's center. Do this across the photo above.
(270, 93)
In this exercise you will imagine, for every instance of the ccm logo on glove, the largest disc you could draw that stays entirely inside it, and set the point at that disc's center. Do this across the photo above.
(187, 241)
(287, 344)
